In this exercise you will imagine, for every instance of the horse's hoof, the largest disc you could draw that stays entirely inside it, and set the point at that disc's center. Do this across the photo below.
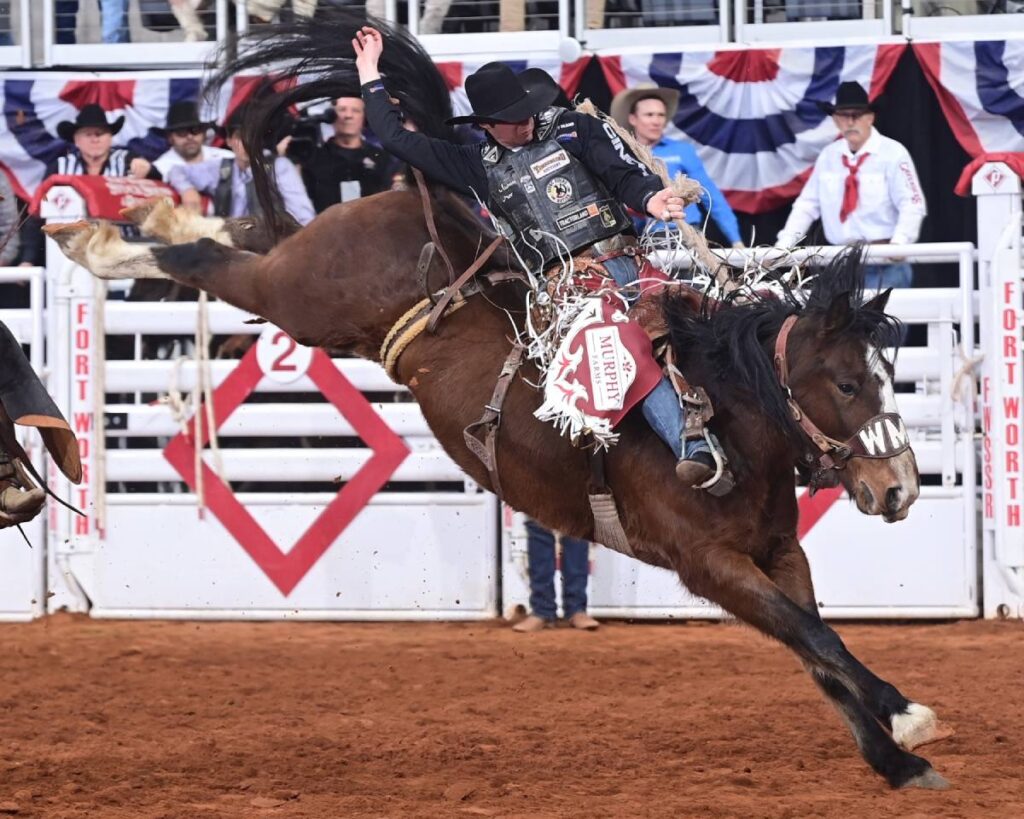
(930, 780)
(918, 726)
(154, 217)
(72, 237)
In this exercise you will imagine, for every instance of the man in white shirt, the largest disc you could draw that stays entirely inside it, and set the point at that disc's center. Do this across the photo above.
(187, 137)
(863, 187)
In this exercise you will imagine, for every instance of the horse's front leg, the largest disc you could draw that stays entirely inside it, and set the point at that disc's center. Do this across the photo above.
(732, 580)
(912, 724)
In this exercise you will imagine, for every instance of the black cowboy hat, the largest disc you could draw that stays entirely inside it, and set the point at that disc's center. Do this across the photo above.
(91, 116)
(538, 81)
(26, 403)
(496, 94)
(183, 114)
(851, 96)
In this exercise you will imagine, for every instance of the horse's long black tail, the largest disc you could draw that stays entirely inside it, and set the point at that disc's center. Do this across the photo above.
(312, 59)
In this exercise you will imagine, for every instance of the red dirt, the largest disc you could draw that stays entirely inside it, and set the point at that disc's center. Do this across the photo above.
(155, 719)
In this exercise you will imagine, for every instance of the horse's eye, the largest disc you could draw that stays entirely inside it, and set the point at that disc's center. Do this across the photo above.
(846, 388)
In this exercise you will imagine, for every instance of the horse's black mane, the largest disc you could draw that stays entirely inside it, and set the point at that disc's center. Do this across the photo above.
(310, 60)
(737, 339)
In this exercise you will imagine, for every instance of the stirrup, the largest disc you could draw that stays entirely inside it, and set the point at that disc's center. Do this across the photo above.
(723, 481)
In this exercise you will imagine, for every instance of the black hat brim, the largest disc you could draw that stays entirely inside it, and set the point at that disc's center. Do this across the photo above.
(830, 109)
(179, 126)
(66, 129)
(531, 104)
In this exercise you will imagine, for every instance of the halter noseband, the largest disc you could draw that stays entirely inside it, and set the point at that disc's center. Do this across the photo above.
(882, 436)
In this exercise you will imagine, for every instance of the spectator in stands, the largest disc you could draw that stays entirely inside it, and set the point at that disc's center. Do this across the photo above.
(113, 16)
(186, 134)
(346, 167)
(93, 154)
(646, 110)
(228, 181)
(863, 187)
(10, 244)
(575, 565)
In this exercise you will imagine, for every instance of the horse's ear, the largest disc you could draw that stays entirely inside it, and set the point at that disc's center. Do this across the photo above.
(880, 301)
(837, 316)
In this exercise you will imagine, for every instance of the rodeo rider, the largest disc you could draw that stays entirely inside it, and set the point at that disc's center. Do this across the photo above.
(525, 131)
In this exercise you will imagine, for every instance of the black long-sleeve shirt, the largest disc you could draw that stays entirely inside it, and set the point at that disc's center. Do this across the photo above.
(461, 167)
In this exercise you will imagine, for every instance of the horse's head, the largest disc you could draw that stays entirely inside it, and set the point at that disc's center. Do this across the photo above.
(841, 381)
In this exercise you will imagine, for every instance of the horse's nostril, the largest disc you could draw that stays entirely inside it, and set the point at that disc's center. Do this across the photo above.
(892, 498)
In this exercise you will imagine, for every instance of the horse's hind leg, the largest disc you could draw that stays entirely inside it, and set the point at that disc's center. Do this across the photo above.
(160, 219)
(99, 248)
(732, 580)
(912, 724)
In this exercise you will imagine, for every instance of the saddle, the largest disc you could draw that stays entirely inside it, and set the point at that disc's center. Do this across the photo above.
(24, 401)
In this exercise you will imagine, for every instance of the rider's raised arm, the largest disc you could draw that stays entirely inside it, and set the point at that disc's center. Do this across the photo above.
(607, 156)
(457, 166)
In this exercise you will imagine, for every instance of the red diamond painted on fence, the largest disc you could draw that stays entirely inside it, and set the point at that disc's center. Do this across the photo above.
(285, 570)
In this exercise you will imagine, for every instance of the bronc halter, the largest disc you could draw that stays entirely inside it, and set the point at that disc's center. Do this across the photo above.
(881, 436)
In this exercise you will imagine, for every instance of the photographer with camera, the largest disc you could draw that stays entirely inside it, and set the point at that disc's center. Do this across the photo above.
(346, 167)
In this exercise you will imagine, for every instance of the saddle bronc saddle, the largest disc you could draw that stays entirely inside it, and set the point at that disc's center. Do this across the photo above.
(24, 401)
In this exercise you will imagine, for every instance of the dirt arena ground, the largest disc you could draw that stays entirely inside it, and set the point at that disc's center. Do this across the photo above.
(155, 719)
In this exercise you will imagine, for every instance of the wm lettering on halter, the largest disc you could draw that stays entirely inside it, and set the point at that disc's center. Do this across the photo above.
(883, 436)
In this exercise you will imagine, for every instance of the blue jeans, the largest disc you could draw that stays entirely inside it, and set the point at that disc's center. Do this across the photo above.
(661, 406)
(881, 276)
(113, 17)
(540, 549)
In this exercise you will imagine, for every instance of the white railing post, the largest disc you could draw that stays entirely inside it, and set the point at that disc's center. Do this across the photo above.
(70, 330)
(998, 193)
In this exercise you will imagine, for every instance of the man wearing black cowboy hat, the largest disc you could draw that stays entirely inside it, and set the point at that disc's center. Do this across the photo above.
(228, 181)
(555, 180)
(92, 137)
(186, 133)
(864, 188)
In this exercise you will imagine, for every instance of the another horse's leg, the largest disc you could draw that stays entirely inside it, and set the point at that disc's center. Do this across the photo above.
(732, 580)
(98, 247)
(160, 219)
(912, 723)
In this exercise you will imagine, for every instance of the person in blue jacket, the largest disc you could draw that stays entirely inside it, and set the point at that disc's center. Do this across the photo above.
(646, 110)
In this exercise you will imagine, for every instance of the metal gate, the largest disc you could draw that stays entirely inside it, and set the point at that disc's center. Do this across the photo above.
(335, 501)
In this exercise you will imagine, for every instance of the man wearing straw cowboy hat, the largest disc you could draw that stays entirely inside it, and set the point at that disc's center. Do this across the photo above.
(556, 180)
(646, 110)
(864, 188)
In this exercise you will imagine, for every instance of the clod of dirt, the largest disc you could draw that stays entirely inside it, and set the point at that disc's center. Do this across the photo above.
(459, 791)
(266, 802)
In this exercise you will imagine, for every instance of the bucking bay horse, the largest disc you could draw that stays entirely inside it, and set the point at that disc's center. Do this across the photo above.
(797, 381)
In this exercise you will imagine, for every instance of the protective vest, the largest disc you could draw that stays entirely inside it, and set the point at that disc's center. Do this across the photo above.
(223, 195)
(543, 189)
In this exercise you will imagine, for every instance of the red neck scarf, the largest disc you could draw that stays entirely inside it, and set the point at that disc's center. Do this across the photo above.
(851, 191)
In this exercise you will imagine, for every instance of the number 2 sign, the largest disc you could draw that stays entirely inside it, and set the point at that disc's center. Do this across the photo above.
(280, 357)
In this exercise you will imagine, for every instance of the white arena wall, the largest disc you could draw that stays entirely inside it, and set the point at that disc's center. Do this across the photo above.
(409, 536)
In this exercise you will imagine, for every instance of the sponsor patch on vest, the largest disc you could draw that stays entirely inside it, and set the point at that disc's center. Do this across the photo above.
(574, 218)
(549, 164)
(527, 184)
(607, 217)
(559, 190)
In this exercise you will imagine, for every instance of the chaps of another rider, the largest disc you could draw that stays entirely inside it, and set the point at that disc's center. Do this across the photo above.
(514, 173)
(24, 401)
